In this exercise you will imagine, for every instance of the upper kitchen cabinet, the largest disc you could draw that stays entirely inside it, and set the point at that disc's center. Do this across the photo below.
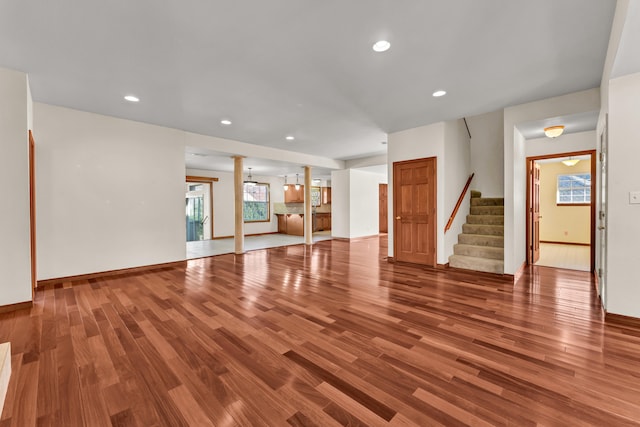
(294, 196)
(326, 195)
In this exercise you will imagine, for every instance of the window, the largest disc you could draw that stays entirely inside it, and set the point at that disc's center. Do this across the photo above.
(256, 202)
(574, 189)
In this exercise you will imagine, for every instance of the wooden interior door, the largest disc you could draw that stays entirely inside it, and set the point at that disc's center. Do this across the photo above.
(383, 209)
(535, 212)
(414, 205)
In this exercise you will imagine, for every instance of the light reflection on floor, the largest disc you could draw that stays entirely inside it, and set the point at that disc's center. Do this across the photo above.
(206, 248)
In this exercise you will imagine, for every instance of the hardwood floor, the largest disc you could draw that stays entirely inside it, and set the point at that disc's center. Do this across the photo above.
(320, 336)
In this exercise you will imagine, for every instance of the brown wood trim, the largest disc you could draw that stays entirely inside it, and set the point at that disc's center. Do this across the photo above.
(528, 213)
(551, 242)
(192, 178)
(621, 320)
(14, 307)
(32, 212)
(247, 235)
(503, 278)
(110, 273)
(359, 239)
(573, 204)
(594, 198)
(458, 203)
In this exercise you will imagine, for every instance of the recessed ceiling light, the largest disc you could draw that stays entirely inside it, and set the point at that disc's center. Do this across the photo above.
(225, 122)
(381, 46)
(290, 138)
(439, 93)
(132, 98)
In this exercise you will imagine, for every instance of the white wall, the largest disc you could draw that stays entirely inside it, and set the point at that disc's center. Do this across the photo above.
(15, 247)
(580, 141)
(487, 153)
(417, 143)
(457, 151)
(223, 203)
(340, 203)
(623, 287)
(449, 143)
(110, 193)
(364, 203)
(355, 203)
(515, 164)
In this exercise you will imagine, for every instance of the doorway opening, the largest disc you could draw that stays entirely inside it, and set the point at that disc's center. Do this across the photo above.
(199, 208)
(561, 203)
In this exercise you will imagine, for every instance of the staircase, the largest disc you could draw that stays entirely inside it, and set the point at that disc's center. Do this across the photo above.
(481, 245)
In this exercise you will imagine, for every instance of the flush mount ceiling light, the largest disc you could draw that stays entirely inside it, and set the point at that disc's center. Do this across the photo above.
(132, 98)
(439, 93)
(553, 131)
(290, 138)
(250, 181)
(225, 122)
(571, 161)
(285, 186)
(381, 46)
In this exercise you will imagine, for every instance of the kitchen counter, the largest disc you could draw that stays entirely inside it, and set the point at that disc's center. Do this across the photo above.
(293, 223)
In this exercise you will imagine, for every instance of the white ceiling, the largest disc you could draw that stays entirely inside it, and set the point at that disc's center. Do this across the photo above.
(572, 123)
(301, 67)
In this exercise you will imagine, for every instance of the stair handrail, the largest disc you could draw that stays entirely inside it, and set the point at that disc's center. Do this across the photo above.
(455, 210)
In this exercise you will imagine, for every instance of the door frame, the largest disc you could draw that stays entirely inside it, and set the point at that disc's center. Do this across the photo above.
(209, 181)
(603, 215)
(435, 214)
(529, 214)
(32, 212)
(383, 221)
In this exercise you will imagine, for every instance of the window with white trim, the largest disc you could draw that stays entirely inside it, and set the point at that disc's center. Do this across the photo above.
(574, 189)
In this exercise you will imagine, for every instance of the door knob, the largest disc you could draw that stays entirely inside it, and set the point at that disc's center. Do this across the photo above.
(398, 217)
(601, 227)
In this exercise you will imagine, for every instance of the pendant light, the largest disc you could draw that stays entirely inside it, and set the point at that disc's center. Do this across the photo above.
(250, 181)
(297, 183)
(570, 161)
(285, 186)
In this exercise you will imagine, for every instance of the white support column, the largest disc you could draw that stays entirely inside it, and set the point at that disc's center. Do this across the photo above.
(238, 187)
(308, 218)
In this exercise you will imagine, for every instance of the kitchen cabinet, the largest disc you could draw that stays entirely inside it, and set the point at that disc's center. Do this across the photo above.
(294, 196)
(323, 222)
(291, 224)
(294, 223)
(326, 195)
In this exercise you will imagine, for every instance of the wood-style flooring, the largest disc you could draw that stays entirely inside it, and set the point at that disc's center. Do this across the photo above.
(326, 335)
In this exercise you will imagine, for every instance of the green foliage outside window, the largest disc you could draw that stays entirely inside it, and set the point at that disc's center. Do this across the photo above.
(256, 202)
